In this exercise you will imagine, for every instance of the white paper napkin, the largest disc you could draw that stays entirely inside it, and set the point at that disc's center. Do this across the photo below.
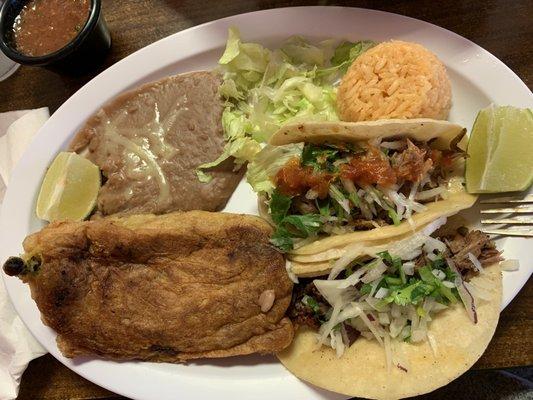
(17, 346)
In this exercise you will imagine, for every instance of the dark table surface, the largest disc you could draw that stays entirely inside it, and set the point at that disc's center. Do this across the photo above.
(502, 27)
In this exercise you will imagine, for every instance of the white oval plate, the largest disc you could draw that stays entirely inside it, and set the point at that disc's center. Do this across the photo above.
(478, 79)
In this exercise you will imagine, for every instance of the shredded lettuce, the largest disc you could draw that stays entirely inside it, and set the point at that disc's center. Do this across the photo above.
(265, 89)
(267, 163)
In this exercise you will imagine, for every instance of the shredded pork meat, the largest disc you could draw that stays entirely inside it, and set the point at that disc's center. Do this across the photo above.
(413, 163)
(474, 242)
(302, 314)
(459, 245)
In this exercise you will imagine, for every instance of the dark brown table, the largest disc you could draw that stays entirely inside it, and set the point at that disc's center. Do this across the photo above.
(502, 27)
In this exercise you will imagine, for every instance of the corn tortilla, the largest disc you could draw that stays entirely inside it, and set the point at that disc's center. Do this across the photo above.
(440, 133)
(362, 370)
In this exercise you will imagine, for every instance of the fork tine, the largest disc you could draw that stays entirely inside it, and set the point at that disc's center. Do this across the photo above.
(516, 221)
(505, 232)
(512, 199)
(523, 209)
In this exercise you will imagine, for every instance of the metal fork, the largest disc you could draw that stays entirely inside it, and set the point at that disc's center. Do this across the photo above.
(514, 205)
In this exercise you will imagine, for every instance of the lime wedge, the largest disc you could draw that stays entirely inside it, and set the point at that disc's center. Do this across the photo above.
(69, 189)
(500, 151)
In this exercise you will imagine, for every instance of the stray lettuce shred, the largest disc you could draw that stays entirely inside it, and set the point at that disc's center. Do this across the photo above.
(267, 163)
(264, 89)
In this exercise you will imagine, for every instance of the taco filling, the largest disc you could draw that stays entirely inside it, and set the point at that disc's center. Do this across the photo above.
(345, 187)
(393, 295)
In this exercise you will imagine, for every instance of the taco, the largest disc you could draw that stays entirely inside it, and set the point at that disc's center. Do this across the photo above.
(325, 185)
(398, 319)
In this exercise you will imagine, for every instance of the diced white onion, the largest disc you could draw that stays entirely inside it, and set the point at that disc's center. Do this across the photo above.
(433, 244)
(357, 323)
(433, 226)
(353, 279)
(373, 328)
(376, 225)
(439, 307)
(418, 335)
(413, 316)
(311, 194)
(476, 262)
(406, 331)
(383, 318)
(396, 311)
(349, 312)
(510, 265)
(408, 268)
(397, 325)
(337, 343)
(351, 253)
(428, 305)
(394, 145)
(374, 286)
(292, 276)
(448, 284)
(375, 272)
(375, 304)
(396, 199)
(464, 294)
(381, 293)
(349, 186)
(344, 334)
(334, 292)
(428, 194)
(437, 273)
(326, 329)
(365, 210)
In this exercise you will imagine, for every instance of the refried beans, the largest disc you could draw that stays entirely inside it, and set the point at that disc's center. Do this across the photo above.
(45, 26)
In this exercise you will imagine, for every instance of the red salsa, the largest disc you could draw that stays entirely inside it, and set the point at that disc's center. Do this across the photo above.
(293, 179)
(371, 168)
(45, 26)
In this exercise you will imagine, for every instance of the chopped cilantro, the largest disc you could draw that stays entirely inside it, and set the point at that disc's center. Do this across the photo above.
(295, 226)
(290, 226)
(385, 256)
(439, 263)
(394, 216)
(323, 207)
(428, 277)
(393, 281)
(311, 302)
(319, 157)
(302, 226)
(354, 199)
(366, 289)
(279, 206)
(282, 239)
(410, 294)
(403, 278)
